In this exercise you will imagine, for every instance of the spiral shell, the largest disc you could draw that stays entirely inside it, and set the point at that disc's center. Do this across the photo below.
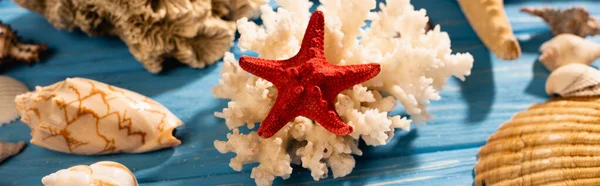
(9, 89)
(555, 143)
(98, 174)
(82, 116)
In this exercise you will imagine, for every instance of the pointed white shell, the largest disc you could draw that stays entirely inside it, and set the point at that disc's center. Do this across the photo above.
(568, 49)
(97, 174)
(9, 89)
(82, 116)
(574, 80)
(10, 149)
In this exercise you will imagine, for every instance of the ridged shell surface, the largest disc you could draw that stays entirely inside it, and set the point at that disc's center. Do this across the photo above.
(9, 89)
(554, 143)
(83, 116)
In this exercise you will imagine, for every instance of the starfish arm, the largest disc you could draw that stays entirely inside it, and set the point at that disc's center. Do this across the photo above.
(347, 76)
(282, 112)
(314, 36)
(331, 121)
(269, 70)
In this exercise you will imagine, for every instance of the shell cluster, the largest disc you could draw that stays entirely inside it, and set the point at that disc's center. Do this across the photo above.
(554, 143)
(104, 173)
(9, 89)
(195, 32)
(82, 116)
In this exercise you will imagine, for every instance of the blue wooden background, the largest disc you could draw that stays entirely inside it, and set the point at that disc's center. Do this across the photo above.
(440, 153)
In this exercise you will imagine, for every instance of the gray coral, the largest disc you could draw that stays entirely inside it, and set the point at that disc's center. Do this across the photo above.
(195, 32)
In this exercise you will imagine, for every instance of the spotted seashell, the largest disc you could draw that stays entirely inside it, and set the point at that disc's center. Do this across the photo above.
(82, 116)
(10, 149)
(9, 89)
(554, 143)
(98, 174)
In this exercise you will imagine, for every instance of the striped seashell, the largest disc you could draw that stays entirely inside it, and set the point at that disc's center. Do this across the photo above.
(554, 143)
(574, 80)
(8, 150)
(9, 89)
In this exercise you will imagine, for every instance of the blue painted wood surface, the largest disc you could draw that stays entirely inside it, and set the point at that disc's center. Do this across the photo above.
(441, 153)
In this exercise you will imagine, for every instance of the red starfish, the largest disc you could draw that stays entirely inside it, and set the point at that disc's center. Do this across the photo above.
(307, 84)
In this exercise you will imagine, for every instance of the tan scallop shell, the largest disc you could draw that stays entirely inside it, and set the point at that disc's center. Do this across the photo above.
(554, 143)
(9, 89)
(82, 116)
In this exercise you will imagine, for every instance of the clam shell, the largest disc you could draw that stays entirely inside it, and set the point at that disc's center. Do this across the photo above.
(574, 80)
(554, 143)
(83, 116)
(9, 89)
(10, 149)
(103, 173)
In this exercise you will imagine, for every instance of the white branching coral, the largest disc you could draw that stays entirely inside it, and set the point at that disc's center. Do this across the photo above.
(415, 67)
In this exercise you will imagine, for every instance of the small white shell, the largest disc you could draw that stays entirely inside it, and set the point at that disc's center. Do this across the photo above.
(9, 89)
(82, 116)
(10, 149)
(574, 80)
(97, 174)
(567, 49)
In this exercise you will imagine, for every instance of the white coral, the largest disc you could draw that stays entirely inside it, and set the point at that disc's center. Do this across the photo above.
(415, 67)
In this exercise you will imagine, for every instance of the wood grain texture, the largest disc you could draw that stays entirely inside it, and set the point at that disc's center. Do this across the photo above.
(441, 153)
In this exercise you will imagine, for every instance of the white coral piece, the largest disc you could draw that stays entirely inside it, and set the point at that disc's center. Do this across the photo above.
(415, 67)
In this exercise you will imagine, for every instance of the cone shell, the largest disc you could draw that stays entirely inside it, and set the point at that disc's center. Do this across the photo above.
(9, 89)
(555, 143)
(98, 174)
(82, 116)
(574, 80)
(10, 149)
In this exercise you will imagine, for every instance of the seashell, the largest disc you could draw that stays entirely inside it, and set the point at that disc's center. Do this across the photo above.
(574, 20)
(8, 150)
(9, 89)
(574, 80)
(82, 116)
(554, 143)
(566, 49)
(97, 174)
(488, 19)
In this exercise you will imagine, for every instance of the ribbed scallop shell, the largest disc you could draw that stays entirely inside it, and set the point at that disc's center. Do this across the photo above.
(9, 89)
(555, 143)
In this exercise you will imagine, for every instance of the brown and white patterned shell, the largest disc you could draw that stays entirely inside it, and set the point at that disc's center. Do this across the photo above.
(554, 143)
(82, 116)
(12, 48)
